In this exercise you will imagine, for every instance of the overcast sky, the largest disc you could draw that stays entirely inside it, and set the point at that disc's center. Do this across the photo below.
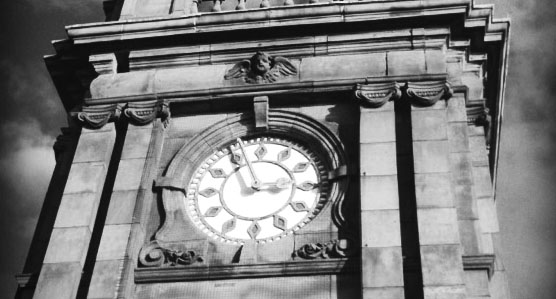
(31, 115)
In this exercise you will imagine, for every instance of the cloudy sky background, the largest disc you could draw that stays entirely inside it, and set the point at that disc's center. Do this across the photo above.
(31, 115)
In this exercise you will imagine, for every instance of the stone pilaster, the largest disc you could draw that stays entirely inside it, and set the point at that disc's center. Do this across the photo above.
(382, 269)
(69, 242)
(123, 232)
(440, 248)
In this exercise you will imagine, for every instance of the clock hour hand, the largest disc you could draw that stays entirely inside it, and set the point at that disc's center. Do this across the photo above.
(255, 182)
(281, 183)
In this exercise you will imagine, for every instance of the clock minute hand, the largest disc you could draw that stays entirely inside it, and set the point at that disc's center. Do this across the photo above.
(255, 183)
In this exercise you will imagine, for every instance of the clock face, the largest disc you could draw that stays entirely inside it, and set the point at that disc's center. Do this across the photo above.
(258, 189)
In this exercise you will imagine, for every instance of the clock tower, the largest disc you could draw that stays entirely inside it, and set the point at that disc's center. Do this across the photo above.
(275, 149)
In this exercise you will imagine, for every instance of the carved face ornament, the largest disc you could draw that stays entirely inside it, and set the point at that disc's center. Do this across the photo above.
(261, 63)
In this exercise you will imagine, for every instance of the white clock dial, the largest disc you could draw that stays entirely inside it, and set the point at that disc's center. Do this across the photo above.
(259, 189)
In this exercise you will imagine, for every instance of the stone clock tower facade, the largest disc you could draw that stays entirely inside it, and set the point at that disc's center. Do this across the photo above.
(275, 149)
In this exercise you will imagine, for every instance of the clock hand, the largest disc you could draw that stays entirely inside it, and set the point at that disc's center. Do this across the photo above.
(281, 183)
(255, 183)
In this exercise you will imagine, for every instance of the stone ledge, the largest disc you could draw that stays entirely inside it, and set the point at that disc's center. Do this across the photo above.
(294, 268)
(479, 262)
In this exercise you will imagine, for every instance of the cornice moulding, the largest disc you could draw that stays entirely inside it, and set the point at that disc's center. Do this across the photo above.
(282, 16)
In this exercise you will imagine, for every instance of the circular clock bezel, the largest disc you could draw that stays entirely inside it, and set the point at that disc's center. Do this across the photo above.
(192, 191)
(293, 125)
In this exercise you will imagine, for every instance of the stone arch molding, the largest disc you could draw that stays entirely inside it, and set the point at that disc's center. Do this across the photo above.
(280, 123)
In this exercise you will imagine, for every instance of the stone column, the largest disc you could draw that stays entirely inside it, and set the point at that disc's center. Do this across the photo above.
(440, 248)
(123, 232)
(382, 268)
(63, 263)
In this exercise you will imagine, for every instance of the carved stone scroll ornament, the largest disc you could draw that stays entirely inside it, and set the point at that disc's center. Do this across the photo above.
(376, 95)
(262, 68)
(333, 249)
(154, 255)
(97, 116)
(143, 113)
(428, 93)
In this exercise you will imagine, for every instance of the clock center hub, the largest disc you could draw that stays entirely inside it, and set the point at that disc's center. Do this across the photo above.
(273, 194)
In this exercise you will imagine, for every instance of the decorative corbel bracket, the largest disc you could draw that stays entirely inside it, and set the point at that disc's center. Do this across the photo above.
(97, 116)
(143, 113)
(376, 95)
(333, 249)
(427, 93)
(155, 255)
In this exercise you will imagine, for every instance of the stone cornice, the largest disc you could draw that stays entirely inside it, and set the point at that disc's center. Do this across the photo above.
(334, 12)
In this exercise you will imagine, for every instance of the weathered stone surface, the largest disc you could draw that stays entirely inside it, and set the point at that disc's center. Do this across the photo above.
(129, 174)
(499, 285)
(77, 209)
(380, 228)
(122, 84)
(382, 267)
(343, 67)
(378, 159)
(431, 156)
(379, 193)
(476, 283)
(438, 226)
(58, 280)
(442, 265)
(456, 108)
(277, 251)
(429, 125)
(311, 287)
(105, 279)
(113, 243)
(482, 181)
(488, 217)
(384, 292)
(444, 292)
(460, 167)
(477, 146)
(68, 245)
(469, 236)
(434, 190)
(122, 206)
(466, 205)
(474, 83)
(435, 61)
(458, 137)
(377, 126)
(95, 146)
(85, 177)
(190, 125)
(406, 62)
(137, 142)
(194, 77)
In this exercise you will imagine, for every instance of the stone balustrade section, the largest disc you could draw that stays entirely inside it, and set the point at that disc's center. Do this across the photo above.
(382, 268)
(440, 247)
(123, 233)
(69, 243)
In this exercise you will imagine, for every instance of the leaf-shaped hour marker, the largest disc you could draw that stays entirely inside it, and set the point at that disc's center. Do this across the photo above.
(217, 173)
(208, 192)
(228, 226)
(284, 155)
(301, 166)
(280, 222)
(254, 229)
(260, 151)
(306, 186)
(299, 206)
(213, 211)
(236, 158)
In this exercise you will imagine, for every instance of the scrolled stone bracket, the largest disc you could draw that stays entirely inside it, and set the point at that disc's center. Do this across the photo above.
(155, 255)
(334, 249)
(427, 93)
(142, 113)
(376, 95)
(96, 117)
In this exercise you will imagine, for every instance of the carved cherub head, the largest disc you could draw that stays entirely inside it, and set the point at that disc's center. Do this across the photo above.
(261, 63)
